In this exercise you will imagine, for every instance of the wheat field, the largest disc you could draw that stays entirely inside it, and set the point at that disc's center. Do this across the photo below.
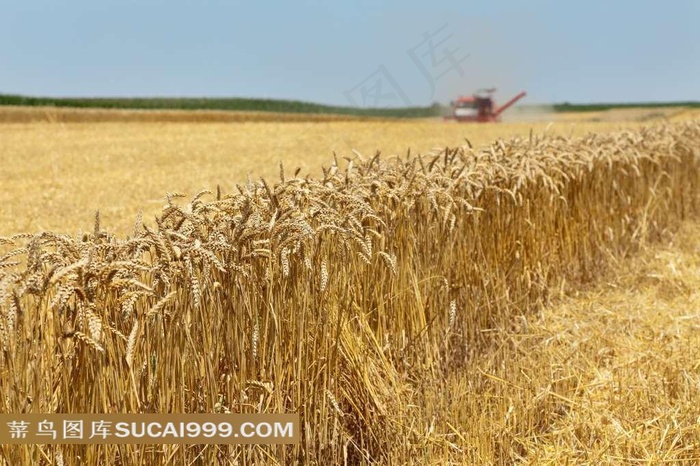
(55, 176)
(479, 300)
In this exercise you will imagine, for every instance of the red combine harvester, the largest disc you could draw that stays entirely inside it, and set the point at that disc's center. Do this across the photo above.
(480, 107)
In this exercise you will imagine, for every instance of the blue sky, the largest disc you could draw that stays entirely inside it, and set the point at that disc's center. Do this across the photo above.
(366, 52)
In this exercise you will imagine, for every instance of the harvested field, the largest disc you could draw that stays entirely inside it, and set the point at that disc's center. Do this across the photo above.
(641, 114)
(55, 176)
(399, 304)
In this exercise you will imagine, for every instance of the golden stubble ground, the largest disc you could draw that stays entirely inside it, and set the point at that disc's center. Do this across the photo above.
(56, 175)
(606, 375)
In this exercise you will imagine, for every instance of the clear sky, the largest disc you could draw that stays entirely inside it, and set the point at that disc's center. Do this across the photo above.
(363, 52)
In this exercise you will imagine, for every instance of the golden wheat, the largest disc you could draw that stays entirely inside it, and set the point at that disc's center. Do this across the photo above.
(334, 292)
